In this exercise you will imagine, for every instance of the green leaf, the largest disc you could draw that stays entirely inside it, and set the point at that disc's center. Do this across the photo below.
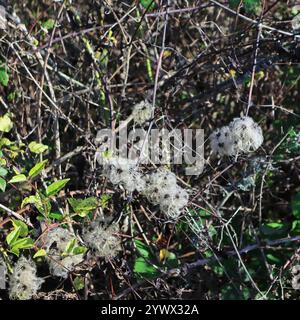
(251, 6)
(32, 200)
(104, 200)
(5, 122)
(70, 246)
(23, 243)
(79, 283)
(148, 4)
(144, 269)
(13, 236)
(3, 172)
(36, 147)
(272, 259)
(23, 227)
(295, 204)
(79, 250)
(142, 248)
(48, 24)
(56, 186)
(230, 292)
(5, 142)
(41, 203)
(172, 261)
(4, 77)
(18, 178)
(15, 251)
(11, 96)
(273, 228)
(40, 253)
(37, 169)
(295, 230)
(56, 215)
(83, 206)
(40, 218)
(2, 184)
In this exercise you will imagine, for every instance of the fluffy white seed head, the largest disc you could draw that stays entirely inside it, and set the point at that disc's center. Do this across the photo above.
(124, 172)
(24, 282)
(3, 268)
(102, 238)
(247, 135)
(173, 201)
(142, 112)
(296, 277)
(159, 187)
(162, 189)
(3, 273)
(242, 135)
(221, 142)
(55, 244)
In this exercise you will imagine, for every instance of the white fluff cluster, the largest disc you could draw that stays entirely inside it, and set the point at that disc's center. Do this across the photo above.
(24, 282)
(102, 238)
(159, 187)
(296, 277)
(3, 271)
(142, 112)
(124, 172)
(162, 189)
(55, 243)
(242, 135)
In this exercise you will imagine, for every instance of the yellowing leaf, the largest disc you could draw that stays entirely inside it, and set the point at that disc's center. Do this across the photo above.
(5, 142)
(18, 178)
(40, 253)
(232, 72)
(163, 254)
(36, 147)
(167, 53)
(5, 123)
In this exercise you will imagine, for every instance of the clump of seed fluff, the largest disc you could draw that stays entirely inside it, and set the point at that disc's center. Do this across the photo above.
(55, 243)
(3, 269)
(24, 282)
(124, 172)
(242, 135)
(159, 187)
(162, 189)
(102, 238)
(296, 277)
(142, 112)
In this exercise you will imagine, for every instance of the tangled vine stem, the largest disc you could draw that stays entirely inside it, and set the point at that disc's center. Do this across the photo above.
(266, 244)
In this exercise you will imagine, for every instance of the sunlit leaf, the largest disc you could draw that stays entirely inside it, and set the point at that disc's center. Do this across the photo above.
(2, 184)
(13, 236)
(36, 147)
(37, 169)
(23, 227)
(4, 76)
(5, 123)
(40, 253)
(56, 186)
(18, 178)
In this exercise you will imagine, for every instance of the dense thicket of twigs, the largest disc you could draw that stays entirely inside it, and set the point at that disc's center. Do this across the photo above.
(79, 66)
